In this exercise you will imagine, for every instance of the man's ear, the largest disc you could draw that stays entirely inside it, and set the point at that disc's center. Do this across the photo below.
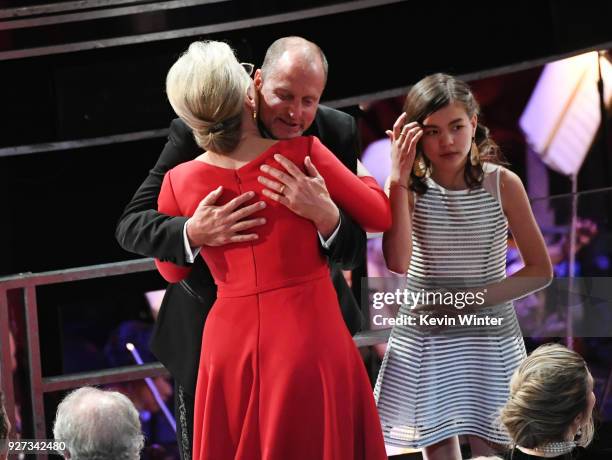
(258, 79)
(251, 98)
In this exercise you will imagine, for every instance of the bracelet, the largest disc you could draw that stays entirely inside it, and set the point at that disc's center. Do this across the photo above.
(397, 184)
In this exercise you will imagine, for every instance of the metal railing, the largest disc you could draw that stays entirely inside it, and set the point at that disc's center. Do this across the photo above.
(238, 24)
(39, 385)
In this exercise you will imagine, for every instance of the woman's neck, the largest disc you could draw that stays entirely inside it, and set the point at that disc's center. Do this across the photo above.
(451, 180)
(550, 449)
(535, 453)
(249, 148)
(251, 145)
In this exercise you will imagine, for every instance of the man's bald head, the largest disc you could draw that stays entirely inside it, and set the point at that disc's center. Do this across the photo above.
(298, 51)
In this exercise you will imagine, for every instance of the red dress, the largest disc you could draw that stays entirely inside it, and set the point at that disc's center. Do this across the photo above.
(280, 377)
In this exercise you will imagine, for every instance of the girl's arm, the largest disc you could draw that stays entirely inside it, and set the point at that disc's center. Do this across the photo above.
(537, 272)
(397, 241)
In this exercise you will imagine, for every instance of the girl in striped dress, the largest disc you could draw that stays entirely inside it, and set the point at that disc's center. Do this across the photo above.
(452, 205)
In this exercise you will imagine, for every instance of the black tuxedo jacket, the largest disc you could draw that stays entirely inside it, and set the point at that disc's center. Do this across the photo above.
(177, 336)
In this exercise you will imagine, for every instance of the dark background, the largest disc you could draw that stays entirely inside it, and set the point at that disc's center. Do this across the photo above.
(61, 205)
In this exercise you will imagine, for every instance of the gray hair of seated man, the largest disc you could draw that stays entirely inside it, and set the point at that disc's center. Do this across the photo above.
(98, 425)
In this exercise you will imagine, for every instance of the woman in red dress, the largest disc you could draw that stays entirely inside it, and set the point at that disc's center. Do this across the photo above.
(280, 377)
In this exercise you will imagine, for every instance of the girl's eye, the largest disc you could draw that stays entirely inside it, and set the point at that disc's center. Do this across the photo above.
(458, 127)
(431, 132)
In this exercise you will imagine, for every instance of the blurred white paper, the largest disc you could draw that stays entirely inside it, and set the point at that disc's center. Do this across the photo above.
(563, 114)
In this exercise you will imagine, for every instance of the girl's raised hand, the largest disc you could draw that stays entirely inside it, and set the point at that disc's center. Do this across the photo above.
(404, 139)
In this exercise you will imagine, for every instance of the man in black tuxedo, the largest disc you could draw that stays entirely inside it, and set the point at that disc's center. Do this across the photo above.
(289, 85)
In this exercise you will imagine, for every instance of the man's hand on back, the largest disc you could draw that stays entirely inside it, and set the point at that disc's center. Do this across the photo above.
(216, 225)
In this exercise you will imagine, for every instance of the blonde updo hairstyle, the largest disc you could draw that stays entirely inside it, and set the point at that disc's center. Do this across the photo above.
(206, 87)
(547, 392)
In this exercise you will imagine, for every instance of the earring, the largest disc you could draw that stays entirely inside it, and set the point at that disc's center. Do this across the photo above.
(419, 168)
(254, 114)
(474, 154)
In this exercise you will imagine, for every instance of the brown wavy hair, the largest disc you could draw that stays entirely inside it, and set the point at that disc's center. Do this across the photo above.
(435, 92)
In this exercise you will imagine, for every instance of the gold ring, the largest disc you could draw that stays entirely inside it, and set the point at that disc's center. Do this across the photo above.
(282, 189)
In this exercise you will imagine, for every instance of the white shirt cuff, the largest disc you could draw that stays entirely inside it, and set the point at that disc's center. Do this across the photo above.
(190, 253)
(327, 243)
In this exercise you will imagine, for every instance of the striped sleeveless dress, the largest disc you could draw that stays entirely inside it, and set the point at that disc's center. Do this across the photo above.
(434, 386)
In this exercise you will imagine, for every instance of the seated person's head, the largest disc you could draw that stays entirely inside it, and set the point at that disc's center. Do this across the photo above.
(551, 399)
(98, 424)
